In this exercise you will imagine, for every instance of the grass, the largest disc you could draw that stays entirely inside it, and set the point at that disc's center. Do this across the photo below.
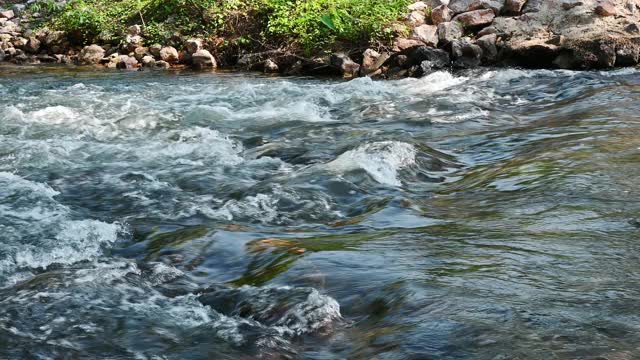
(308, 25)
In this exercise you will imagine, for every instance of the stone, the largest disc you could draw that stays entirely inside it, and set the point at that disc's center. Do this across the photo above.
(449, 31)
(133, 42)
(570, 5)
(193, 45)
(372, 61)
(402, 44)
(627, 55)
(347, 67)
(437, 58)
(418, 6)
(161, 64)
(62, 59)
(486, 31)
(134, 30)
(495, 5)
(91, 55)
(126, 62)
(476, 18)
(20, 42)
(54, 37)
(632, 29)
(10, 27)
(606, 8)
(416, 18)
(184, 57)
(466, 54)
(140, 52)
(155, 50)
(489, 49)
(270, 66)
(533, 6)
(513, 7)
(428, 34)
(33, 45)
(45, 58)
(460, 6)
(169, 54)
(111, 61)
(202, 59)
(7, 14)
(148, 61)
(441, 14)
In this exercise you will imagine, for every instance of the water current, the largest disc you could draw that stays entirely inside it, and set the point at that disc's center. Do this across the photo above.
(486, 214)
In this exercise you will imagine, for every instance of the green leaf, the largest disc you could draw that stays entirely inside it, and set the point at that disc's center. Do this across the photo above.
(328, 22)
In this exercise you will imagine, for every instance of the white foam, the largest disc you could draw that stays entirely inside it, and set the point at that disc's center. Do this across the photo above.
(434, 82)
(381, 160)
(38, 231)
(77, 241)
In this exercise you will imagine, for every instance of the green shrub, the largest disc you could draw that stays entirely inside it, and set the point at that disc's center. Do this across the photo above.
(317, 23)
(311, 24)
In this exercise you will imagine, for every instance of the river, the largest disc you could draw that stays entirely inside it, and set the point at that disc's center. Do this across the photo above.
(486, 214)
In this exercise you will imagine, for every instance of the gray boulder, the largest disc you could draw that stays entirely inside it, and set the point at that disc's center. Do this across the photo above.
(91, 55)
(169, 54)
(449, 31)
(202, 59)
(428, 34)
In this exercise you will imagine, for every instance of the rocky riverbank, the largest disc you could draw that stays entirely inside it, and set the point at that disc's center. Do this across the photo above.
(567, 34)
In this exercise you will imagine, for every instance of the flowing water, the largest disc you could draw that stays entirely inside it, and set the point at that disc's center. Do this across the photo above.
(490, 214)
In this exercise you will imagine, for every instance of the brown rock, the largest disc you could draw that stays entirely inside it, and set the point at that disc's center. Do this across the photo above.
(428, 34)
(513, 7)
(91, 55)
(441, 14)
(33, 45)
(169, 54)
(270, 66)
(161, 64)
(202, 59)
(127, 62)
(140, 52)
(193, 45)
(402, 44)
(8, 14)
(345, 65)
(605, 8)
(148, 61)
(476, 18)
(155, 50)
(372, 61)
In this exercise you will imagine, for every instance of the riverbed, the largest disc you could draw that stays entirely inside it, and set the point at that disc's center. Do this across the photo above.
(485, 214)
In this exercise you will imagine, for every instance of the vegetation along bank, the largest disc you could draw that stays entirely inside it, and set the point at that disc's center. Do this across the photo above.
(378, 38)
